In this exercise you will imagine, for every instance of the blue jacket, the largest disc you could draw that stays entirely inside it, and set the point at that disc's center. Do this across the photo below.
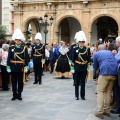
(53, 55)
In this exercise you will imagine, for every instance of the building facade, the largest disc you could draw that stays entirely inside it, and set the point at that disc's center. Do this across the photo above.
(6, 16)
(0, 12)
(97, 18)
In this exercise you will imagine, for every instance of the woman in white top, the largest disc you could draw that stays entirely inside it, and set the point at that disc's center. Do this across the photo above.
(62, 67)
(5, 74)
(47, 60)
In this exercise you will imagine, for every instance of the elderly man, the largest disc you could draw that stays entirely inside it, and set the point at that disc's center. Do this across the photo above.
(53, 56)
(38, 58)
(17, 63)
(104, 60)
(117, 83)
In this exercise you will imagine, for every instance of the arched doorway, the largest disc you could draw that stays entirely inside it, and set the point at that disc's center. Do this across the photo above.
(104, 27)
(32, 26)
(67, 29)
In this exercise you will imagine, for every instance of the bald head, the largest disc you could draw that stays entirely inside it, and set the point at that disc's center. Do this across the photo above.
(101, 47)
(54, 44)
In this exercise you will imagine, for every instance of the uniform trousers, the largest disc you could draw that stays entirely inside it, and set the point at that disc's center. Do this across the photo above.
(17, 83)
(73, 78)
(80, 78)
(105, 85)
(38, 70)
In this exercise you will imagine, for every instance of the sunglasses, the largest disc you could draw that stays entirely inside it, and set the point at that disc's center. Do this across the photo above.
(18, 40)
(81, 41)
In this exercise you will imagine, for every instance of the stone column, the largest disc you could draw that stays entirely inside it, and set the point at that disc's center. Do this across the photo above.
(56, 37)
(89, 37)
(85, 23)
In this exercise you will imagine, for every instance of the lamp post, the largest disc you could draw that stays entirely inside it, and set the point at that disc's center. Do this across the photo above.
(45, 23)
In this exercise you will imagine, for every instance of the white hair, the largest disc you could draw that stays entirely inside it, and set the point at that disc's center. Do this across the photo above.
(118, 39)
(5, 47)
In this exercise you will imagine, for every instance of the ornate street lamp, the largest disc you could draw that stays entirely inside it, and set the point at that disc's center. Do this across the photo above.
(45, 23)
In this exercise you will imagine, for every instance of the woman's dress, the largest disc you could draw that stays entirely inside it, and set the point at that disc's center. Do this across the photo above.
(62, 66)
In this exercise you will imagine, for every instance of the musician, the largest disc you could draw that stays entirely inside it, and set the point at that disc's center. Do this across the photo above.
(17, 63)
(80, 59)
(38, 58)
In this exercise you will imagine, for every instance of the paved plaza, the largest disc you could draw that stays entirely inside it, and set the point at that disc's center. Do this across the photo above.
(53, 100)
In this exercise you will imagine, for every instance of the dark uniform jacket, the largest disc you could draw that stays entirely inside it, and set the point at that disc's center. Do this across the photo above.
(79, 57)
(17, 54)
(71, 49)
(38, 50)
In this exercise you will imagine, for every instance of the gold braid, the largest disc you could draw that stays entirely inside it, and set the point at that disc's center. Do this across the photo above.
(18, 53)
(79, 55)
(36, 50)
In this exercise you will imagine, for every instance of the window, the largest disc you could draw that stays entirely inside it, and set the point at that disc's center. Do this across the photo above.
(6, 17)
(7, 27)
(6, 5)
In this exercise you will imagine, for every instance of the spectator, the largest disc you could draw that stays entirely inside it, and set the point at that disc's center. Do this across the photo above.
(53, 56)
(5, 74)
(104, 60)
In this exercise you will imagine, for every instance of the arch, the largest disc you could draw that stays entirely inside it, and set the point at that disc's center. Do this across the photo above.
(34, 24)
(60, 18)
(28, 20)
(66, 29)
(98, 15)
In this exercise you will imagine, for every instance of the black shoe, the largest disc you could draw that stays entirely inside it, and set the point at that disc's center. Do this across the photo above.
(77, 98)
(19, 98)
(83, 98)
(63, 77)
(14, 98)
(42, 74)
(114, 111)
(35, 82)
(40, 82)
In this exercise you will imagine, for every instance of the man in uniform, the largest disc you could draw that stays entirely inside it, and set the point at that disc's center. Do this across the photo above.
(80, 59)
(38, 58)
(17, 63)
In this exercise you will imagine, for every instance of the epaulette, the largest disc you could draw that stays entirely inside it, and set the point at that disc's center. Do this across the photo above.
(75, 46)
(11, 45)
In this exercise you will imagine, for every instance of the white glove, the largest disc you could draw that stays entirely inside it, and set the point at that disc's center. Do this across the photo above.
(8, 70)
(26, 70)
(43, 61)
(73, 71)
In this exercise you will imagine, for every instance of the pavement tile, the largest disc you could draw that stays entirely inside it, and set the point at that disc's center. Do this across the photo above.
(53, 100)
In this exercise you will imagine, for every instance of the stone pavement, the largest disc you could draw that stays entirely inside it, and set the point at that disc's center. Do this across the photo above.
(53, 100)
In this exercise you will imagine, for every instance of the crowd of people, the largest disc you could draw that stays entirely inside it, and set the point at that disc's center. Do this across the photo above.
(18, 57)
